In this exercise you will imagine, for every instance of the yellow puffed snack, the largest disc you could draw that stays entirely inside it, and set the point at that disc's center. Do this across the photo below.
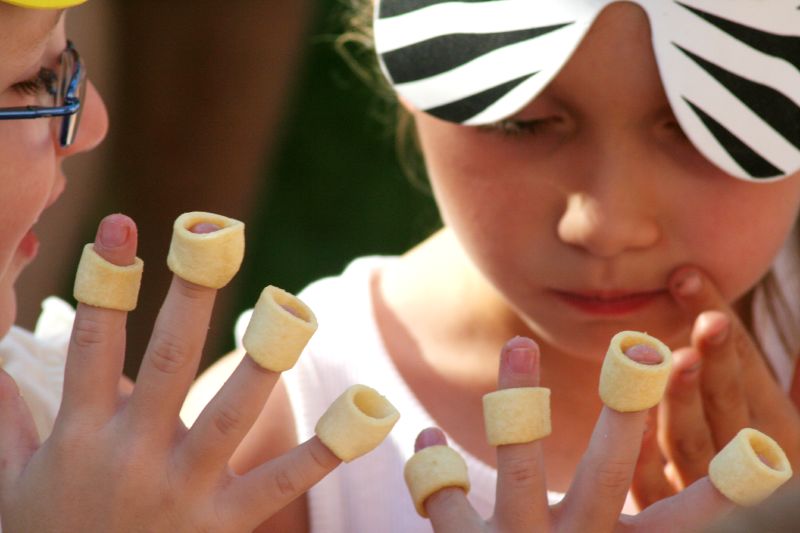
(356, 422)
(749, 468)
(207, 259)
(279, 329)
(626, 385)
(433, 469)
(516, 416)
(100, 283)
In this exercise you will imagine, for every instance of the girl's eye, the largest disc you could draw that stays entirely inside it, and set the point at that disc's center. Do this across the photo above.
(516, 128)
(43, 83)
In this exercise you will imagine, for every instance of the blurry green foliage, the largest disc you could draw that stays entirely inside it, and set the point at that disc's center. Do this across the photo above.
(335, 190)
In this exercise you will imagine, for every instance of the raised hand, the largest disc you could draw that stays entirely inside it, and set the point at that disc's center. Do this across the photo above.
(598, 491)
(128, 464)
(719, 385)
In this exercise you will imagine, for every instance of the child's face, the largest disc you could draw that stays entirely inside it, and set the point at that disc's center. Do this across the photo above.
(580, 221)
(31, 157)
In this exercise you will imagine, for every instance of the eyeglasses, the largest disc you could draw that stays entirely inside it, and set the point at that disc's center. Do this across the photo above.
(62, 95)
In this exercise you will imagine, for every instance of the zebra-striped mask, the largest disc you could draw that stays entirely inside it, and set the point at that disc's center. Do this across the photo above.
(730, 68)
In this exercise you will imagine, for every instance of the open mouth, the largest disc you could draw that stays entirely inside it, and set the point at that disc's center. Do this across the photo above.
(29, 245)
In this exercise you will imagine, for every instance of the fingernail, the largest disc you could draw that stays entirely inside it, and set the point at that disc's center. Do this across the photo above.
(644, 354)
(520, 360)
(204, 227)
(688, 284)
(719, 337)
(429, 437)
(113, 233)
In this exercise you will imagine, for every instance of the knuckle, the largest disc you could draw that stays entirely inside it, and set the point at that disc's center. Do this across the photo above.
(614, 475)
(88, 333)
(693, 449)
(520, 471)
(284, 484)
(169, 353)
(227, 420)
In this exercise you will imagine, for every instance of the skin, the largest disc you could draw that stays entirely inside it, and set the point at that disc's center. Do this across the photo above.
(608, 195)
(154, 473)
(31, 178)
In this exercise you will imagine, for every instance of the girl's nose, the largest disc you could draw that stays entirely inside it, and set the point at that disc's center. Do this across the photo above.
(93, 125)
(614, 207)
(605, 227)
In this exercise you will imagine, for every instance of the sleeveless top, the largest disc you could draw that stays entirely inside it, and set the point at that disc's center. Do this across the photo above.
(369, 495)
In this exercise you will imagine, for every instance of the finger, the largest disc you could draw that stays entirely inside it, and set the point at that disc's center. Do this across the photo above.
(97, 346)
(724, 402)
(227, 418)
(263, 491)
(448, 509)
(696, 293)
(684, 432)
(649, 483)
(521, 502)
(690, 510)
(18, 438)
(600, 486)
(794, 391)
(173, 354)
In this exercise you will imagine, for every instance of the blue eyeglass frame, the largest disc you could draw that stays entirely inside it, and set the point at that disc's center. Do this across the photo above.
(71, 109)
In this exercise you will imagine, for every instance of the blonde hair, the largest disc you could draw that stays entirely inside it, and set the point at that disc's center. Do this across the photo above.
(356, 46)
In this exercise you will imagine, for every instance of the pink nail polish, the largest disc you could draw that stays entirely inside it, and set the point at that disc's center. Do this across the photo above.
(689, 284)
(113, 234)
(520, 360)
(719, 337)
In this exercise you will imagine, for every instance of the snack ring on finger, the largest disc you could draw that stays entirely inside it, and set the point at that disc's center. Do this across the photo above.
(431, 470)
(626, 385)
(356, 422)
(100, 283)
(207, 259)
(749, 468)
(516, 416)
(279, 329)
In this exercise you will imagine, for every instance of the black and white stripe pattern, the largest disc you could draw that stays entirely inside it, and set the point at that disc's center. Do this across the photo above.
(731, 68)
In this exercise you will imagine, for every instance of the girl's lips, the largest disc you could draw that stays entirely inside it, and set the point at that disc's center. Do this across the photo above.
(29, 245)
(608, 303)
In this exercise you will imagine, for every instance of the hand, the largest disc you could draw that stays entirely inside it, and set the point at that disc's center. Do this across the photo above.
(128, 464)
(598, 491)
(719, 385)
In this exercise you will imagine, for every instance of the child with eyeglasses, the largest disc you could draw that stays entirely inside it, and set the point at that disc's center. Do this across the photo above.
(81, 449)
(599, 166)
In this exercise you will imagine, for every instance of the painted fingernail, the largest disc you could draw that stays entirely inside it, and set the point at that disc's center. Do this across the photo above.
(429, 437)
(688, 283)
(519, 355)
(204, 227)
(644, 354)
(719, 337)
(113, 232)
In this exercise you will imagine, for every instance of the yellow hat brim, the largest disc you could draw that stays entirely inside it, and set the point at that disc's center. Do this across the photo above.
(44, 4)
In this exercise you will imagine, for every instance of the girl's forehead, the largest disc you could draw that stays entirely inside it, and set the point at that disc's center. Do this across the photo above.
(23, 31)
(730, 69)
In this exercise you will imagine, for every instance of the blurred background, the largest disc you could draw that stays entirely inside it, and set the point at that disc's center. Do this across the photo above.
(243, 108)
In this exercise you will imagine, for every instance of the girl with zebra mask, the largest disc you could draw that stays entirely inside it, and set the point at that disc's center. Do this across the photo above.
(599, 166)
